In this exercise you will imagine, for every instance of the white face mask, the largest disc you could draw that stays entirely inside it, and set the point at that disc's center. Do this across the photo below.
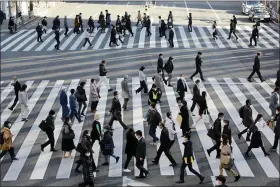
(138, 137)
(185, 139)
(87, 154)
(217, 183)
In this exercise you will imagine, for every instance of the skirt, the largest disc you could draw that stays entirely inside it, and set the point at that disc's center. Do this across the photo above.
(67, 145)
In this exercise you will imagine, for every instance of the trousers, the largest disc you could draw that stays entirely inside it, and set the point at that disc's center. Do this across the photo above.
(198, 70)
(139, 165)
(11, 152)
(15, 101)
(117, 117)
(80, 107)
(258, 73)
(24, 111)
(143, 85)
(128, 158)
(105, 80)
(164, 148)
(50, 139)
(182, 170)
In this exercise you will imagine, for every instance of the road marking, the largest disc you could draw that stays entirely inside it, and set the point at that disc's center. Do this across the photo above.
(184, 37)
(131, 39)
(77, 42)
(231, 44)
(100, 39)
(272, 31)
(175, 41)
(153, 37)
(163, 42)
(16, 40)
(261, 40)
(129, 182)
(141, 43)
(68, 40)
(29, 47)
(195, 39)
(25, 42)
(6, 91)
(214, 12)
(12, 37)
(205, 37)
(108, 42)
(46, 42)
(187, 8)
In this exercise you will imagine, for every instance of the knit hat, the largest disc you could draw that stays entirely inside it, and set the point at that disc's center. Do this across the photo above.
(96, 117)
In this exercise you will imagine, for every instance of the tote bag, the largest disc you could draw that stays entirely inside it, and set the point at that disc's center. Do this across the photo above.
(206, 117)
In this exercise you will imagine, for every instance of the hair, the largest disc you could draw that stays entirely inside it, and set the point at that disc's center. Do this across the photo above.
(115, 93)
(197, 81)
(82, 84)
(23, 87)
(92, 80)
(258, 54)
(220, 114)
(6, 124)
(139, 133)
(199, 53)
(51, 112)
(278, 108)
(160, 54)
(248, 101)
(154, 86)
(259, 116)
(129, 132)
(276, 90)
(203, 94)
(226, 121)
(72, 91)
(85, 132)
(159, 71)
(153, 105)
(103, 61)
(224, 139)
(142, 68)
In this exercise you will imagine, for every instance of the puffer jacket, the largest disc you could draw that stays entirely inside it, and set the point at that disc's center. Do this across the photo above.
(7, 136)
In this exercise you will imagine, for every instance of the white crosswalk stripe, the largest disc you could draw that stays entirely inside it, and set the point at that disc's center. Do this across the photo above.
(205, 37)
(195, 39)
(54, 43)
(183, 36)
(16, 41)
(225, 36)
(261, 40)
(30, 46)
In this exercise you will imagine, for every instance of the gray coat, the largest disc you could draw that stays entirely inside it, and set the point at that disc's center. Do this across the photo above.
(158, 81)
(94, 89)
(273, 101)
(125, 90)
(247, 116)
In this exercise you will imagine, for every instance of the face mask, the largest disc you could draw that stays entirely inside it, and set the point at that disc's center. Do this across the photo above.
(217, 183)
(277, 112)
(185, 139)
(87, 154)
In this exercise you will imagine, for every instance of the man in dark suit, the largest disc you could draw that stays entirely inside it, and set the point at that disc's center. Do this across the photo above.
(276, 130)
(256, 68)
(198, 63)
(50, 132)
(81, 22)
(171, 36)
(169, 69)
(17, 88)
(247, 119)
(164, 146)
(128, 26)
(160, 66)
(255, 33)
(141, 154)
(196, 95)
(181, 87)
(116, 111)
(190, 22)
(148, 26)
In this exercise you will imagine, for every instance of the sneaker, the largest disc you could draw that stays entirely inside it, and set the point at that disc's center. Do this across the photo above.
(105, 164)
(11, 108)
(14, 158)
(127, 170)
(117, 159)
(179, 182)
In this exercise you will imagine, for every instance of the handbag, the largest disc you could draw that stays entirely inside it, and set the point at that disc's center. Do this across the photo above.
(229, 165)
(179, 118)
(270, 123)
(206, 117)
(211, 133)
(69, 136)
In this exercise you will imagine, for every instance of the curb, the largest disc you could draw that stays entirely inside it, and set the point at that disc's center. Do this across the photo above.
(30, 20)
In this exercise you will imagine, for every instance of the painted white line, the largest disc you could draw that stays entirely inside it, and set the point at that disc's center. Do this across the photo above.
(2, 82)
(214, 12)
(205, 38)
(187, 8)
(131, 39)
(225, 36)
(218, 41)
(271, 31)
(137, 117)
(261, 40)
(16, 40)
(16, 167)
(6, 92)
(54, 43)
(265, 34)
(175, 40)
(108, 42)
(265, 162)
(100, 39)
(184, 37)
(66, 164)
(25, 42)
(163, 42)
(12, 37)
(153, 37)
(45, 157)
(246, 36)
(127, 5)
(273, 80)
(213, 179)
(195, 39)
(115, 169)
(142, 38)
(47, 41)
(77, 42)
(67, 42)
(29, 47)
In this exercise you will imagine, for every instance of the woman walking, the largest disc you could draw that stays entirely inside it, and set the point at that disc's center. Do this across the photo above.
(170, 125)
(184, 113)
(142, 79)
(214, 33)
(76, 25)
(203, 108)
(130, 148)
(23, 100)
(81, 98)
(94, 95)
(7, 144)
(68, 137)
(96, 131)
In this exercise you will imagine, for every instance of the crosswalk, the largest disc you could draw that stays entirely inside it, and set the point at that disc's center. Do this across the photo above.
(225, 95)
(201, 37)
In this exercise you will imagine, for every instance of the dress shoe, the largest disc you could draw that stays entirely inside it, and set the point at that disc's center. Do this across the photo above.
(263, 80)
(77, 171)
(53, 150)
(179, 182)
(11, 108)
(249, 80)
(110, 90)
(174, 164)
(42, 148)
(209, 152)
(239, 136)
(14, 158)
(105, 164)
(237, 178)
(155, 162)
(201, 180)
(117, 159)
(140, 177)
(266, 154)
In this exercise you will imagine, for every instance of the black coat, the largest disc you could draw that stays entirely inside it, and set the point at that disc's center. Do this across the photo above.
(190, 20)
(277, 82)
(171, 34)
(256, 63)
(50, 122)
(168, 66)
(196, 93)
(255, 32)
(39, 29)
(217, 126)
(227, 131)
(247, 116)
(160, 64)
(198, 62)
(277, 126)
(107, 144)
(95, 134)
(102, 70)
(56, 23)
(141, 149)
(131, 144)
(85, 148)
(148, 23)
(116, 106)
(113, 35)
(154, 118)
(17, 87)
(88, 169)
(256, 140)
(82, 92)
(185, 125)
(188, 151)
(164, 137)
(203, 104)
(181, 86)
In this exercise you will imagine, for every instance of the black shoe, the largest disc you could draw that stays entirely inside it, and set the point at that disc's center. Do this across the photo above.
(155, 162)
(191, 78)
(14, 158)
(249, 80)
(209, 152)
(96, 170)
(202, 79)
(174, 164)
(77, 171)
(80, 121)
(126, 127)
(266, 154)
(140, 177)
(239, 136)
(236, 38)
(105, 164)
(117, 159)
(237, 178)
(218, 156)
(146, 174)
(201, 180)
(53, 150)
(82, 114)
(42, 148)
(247, 155)
(165, 82)
(228, 38)
(11, 108)
(248, 139)
(263, 80)
(170, 85)
(179, 182)
(110, 90)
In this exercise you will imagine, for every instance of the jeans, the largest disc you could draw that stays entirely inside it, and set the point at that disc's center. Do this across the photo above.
(50, 139)
(152, 133)
(65, 111)
(74, 113)
(128, 158)
(139, 165)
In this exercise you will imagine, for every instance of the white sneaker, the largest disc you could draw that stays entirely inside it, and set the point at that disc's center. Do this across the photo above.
(145, 120)
(127, 170)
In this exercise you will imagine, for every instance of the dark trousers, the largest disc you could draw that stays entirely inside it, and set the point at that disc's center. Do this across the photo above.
(90, 184)
(142, 85)
(276, 139)
(139, 21)
(244, 131)
(255, 40)
(91, 28)
(66, 30)
(65, 111)
(15, 102)
(159, 94)
(148, 29)
(190, 27)
(162, 74)
(258, 73)
(217, 147)
(80, 107)
(250, 147)
(193, 105)
(114, 41)
(170, 40)
(11, 152)
(129, 30)
(128, 158)
(164, 148)
(117, 117)
(171, 144)
(125, 103)
(57, 43)
(39, 37)
(50, 139)
(82, 27)
(233, 32)
(139, 165)
(183, 166)
(152, 133)
(86, 41)
(198, 70)
(182, 96)
(74, 113)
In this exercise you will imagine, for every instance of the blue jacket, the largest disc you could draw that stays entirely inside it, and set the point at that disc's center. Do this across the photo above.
(63, 98)
(73, 101)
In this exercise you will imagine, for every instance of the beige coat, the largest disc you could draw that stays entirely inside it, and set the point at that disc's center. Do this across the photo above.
(7, 136)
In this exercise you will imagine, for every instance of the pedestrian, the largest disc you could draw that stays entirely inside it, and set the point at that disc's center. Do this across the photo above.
(96, 131)
(44, 23)
(170, 125)
(128, 26)
(203, 108)
(274, 101)
(198, 63)
(57, 35)
(214, 32)
(226, 158)
(227, 131)
(73, 107)
(159, 85)
(88, 169)
(100, 18)
(66, 26)
(81, 22)
(245, 113)
(276, 130)
(107, 145)
(160, 66)
(142, 79)
(164, 146)
(115, 111)
(56, 23)
(256, 140)
(148, 26)
(170, 19)
(188, 159)
(68, 136)
(113, 38)
(94, 95)
(49, 131)
(64, 102)
(153, 98)
(123, 25)
(255, 34)
(196, 95)
(118, 25)
(23, 101)
(39, 31)
(17, 87)
(2, 15)
(256, 68)
(171, 37)
(168, 67)
(12, 26)
(182, 87)
(91, 24)
(108, 21)
(220, 181)
(130, 148)
(217, 127)
(140, 155)
(234, 21)
(125, 92)
(81, 98)
(190, 22)
(232, 29)
(102, 75)
(106, 14)
(277, 82)
(159, 26)
(153, 119)
(76, 25)
(103, 25)
(163, 27)
(144, 22)
(6, 144)
(184, 113)
(87, 35)
(139, 19)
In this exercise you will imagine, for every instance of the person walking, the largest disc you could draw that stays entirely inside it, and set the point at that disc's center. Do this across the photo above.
(182, 87)
(94, 95)
(91, 24)
(203, 108)
(73, 107)
(76, 25)
(188, 159)
(159, 85)
(277, 82)
(217, 127)
(232, 29)
(107, 145)
(159, 26)
(196, 95)
(123, 26)
(96, 131)
(153, 119)
(245, 113)
(148, 26)
(125, 92)
(113, 38)
(87, 35)
(115, 111)
(68, 136)
(171, 37)
(274, 101)
(170, 19)
(227, 131)
(140, 155)
(163, 29)
(226, 158)
(100, 18)
(214, 32)
(57, 35)
(88, 169)
(164, 146)
(49, 131)
(276, 130)
(170, 125)
(44, 24)
(139, 19)
(81, 22)
(144, 22)
(23, 101)
(160, 66)
(255, 34)
(103, 25)
(64, 102)
(198, 63)
(130, 148)
(153, 99)
(234, 21)
(128, 26)
(142, 79)
(256, 68)
(39, 31)
(81, 98)
(190, 22)
(17, 87)
(108, 21)
(66, 26)
(102, 75)
(118, 25)
(168, 67)
(6, 144)
(56, 23)
(184, 113)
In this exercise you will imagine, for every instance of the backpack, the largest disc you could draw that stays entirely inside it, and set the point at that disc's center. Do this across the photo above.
(2, 138)
(77, 94)
(241, 110)
(43, 125)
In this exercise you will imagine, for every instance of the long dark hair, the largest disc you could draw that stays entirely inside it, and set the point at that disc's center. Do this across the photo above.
(225, 139)
(130, 132)
(259, 116)
(203, 94)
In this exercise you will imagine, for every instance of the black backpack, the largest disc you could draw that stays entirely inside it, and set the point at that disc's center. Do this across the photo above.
(241, 110)
(43, 125)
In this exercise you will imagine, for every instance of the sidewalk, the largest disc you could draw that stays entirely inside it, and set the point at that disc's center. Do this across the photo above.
(4, 26)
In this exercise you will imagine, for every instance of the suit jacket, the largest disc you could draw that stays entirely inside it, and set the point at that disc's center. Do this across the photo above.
(247, 116)
(141, 149)
(164, 137)
(273, 101)
(168, 66)
(196, 93)
(116, 106)
(255, 32)
(277, 126)
(160, 64)
(171, 34)
(181, 86)
(17, 87)
(256, 63)
(148, 23)
(218, 128)
(198, 62)
(227, 131)
(188, 151)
